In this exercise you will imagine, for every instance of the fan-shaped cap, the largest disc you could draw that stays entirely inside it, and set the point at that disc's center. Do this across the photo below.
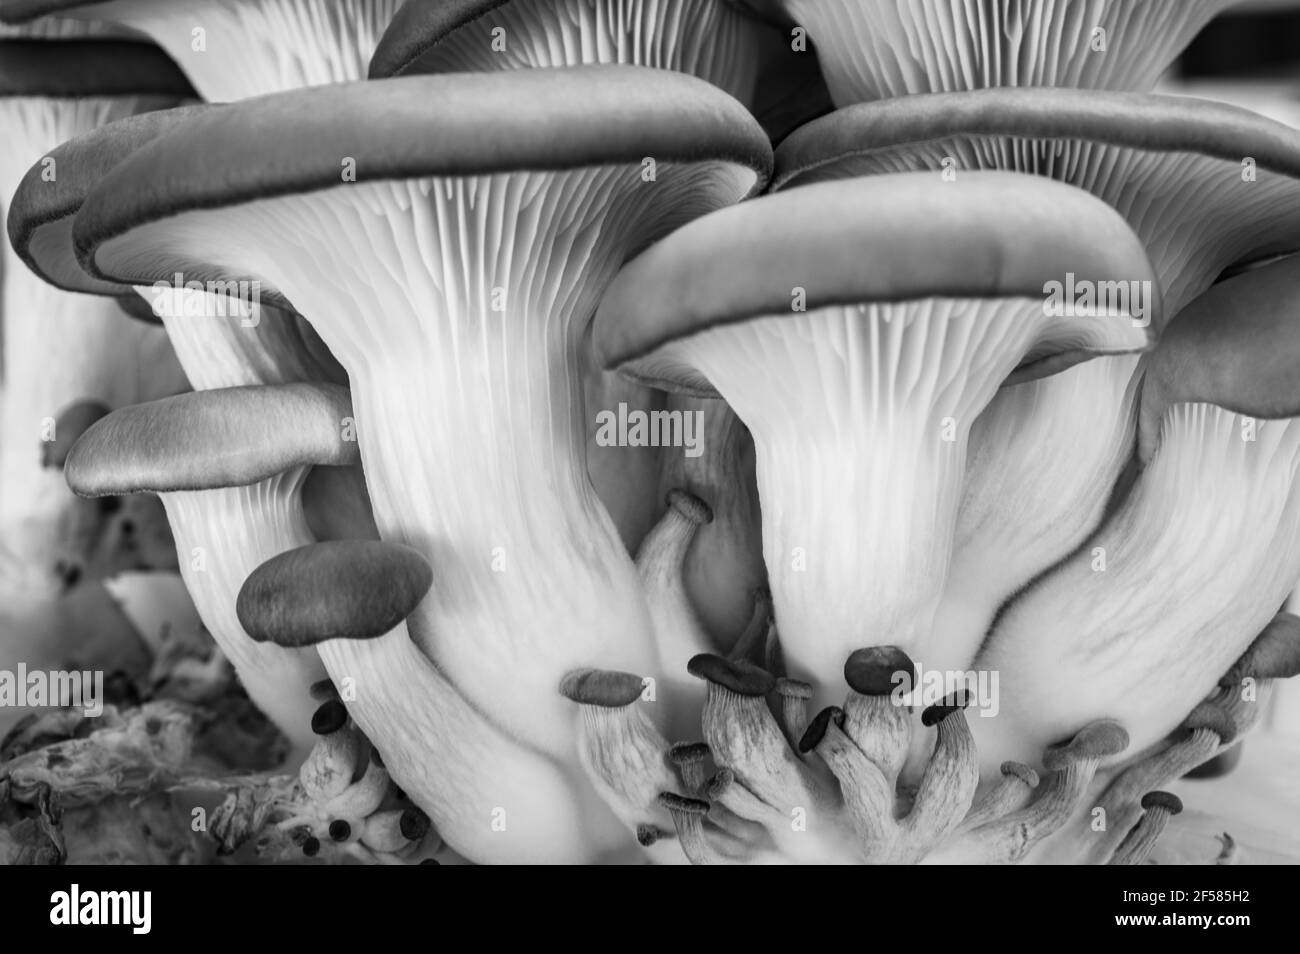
(871, 239)
(73, 69)
(344, 589)
(228, 437)
(419, 126)
(825, 147)
(1237, 346)
(42, 210)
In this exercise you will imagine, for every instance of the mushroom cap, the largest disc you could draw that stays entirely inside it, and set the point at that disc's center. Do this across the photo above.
(343, 589)
(1136, 120)
(1021, 771)
(415, 127)
(956, 702)
(873, 671)
(687, 753)
(73, 69)
(602, 687)
(41, 211)
(870, 239)
(330, 716)
(1274, 654)
(1207, 715)
(742, 678)
(1166, 800)
(203, 440)
(816, 731)
(1237, 346)
(1096, 740)
(417, 28)
(689, 506)
(680, 803)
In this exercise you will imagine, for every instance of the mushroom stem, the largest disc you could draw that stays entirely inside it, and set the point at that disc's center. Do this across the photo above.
(868, 795)
(328, 769)
(678, 634)
(622, 752)
(794, 708)
(724, 565)
(1158, 807)
(947, 786)
(1009, 794)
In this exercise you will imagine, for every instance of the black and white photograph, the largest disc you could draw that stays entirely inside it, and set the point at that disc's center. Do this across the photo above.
(649, 432)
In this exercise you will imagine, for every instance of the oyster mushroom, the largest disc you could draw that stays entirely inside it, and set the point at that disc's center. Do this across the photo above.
(1180, 599)
(858, 367)
(1203, 185)
(229, 465)
(531, 576)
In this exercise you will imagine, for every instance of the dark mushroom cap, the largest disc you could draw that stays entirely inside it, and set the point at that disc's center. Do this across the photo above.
(1095, 741)
(956, 702)
(228, 437)
(414, 824)
(410, 128)
(41, 212)
(825, 147)
(742, 678)
(680, 803)
(688, 753)
(329, 717)
(1169, 802)
(1207, 715)
(873, 239)
(344, 589)
(875, 671)
(75, 69)
(816, 731)
(1237, 346)
(602, 687)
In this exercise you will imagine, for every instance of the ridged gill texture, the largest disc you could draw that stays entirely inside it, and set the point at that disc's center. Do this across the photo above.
(875, 49)
(1163, 599)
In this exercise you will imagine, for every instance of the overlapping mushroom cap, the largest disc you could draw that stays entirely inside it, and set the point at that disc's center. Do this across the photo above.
(857, 328)
(1204, 185)
(65, 355)
(232, 49)
(473, 339)
(1198, 555)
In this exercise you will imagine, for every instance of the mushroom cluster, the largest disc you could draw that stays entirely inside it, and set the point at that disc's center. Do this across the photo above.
(619, 431)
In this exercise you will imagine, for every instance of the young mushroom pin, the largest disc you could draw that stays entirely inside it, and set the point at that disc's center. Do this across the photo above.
(857, 328)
